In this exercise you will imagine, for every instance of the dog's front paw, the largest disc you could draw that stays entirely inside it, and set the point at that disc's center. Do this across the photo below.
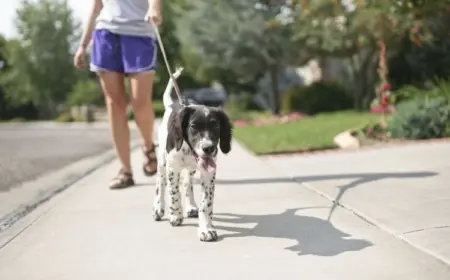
(175, 220)
(192, 213)
(207, 235)
(158, 213)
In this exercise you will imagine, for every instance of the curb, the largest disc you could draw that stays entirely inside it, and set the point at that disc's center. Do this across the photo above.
(54, 183)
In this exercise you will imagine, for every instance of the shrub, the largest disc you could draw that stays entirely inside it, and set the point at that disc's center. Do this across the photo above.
(316, 98)
(158, 108)
(421, 118)
(85, 92)
(65, 117)
(439, 88)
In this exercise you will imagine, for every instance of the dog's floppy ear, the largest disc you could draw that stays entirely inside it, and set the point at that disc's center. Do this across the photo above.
(177, 128)
(225, 132)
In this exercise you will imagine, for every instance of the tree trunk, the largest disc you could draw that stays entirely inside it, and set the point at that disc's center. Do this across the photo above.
(276, 107)
(363, 75)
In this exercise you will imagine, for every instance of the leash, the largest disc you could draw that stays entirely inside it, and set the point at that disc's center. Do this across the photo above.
(169, 70)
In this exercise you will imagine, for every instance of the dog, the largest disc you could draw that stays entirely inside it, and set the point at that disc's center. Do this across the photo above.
(189, 138)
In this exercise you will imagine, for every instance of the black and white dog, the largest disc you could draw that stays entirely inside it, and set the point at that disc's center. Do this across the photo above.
(189, 137)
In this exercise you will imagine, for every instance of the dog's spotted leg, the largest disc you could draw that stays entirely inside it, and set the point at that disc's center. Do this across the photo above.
(175, 208)
(192, 209)
(159, 202)
(206, 230)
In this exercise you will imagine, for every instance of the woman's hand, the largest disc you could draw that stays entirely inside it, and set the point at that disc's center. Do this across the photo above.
(154, 13)
(79, 60)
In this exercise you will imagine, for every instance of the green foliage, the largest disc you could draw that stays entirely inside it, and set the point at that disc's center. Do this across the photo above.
(307, 134)
(214, 35)
(173, 50)
(440, 88)
(214, 30)
(158, 108)
(65, 117)
(421, 118)
(415, 62)
(85, 92)
(345, 27)
(352, 29)
(240, 107)
(41, 69)
(316, 98)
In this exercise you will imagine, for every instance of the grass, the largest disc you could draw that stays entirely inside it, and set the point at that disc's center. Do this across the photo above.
(246, 115)
(314, 133)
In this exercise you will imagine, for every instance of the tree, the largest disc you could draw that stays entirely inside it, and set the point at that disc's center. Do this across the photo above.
(352, 30)
(416, 62)
(241, 37)
(173, 50)
(8, 108)
(86, 92)
(41, 60)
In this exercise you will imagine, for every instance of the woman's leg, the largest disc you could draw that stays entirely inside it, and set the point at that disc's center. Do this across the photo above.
(141, 96)
(115, 98)
(139, 61)
(106, 60)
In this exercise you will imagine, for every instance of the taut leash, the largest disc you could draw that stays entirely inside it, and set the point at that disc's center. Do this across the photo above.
(169, 70)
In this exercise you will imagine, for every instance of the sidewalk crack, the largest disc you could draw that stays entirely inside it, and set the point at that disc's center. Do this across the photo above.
(424, 229)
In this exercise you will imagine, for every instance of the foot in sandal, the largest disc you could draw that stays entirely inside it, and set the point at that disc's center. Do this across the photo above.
(124, 179)
(150, 166)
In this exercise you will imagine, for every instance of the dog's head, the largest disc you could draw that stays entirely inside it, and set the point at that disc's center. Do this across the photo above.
(205, 129)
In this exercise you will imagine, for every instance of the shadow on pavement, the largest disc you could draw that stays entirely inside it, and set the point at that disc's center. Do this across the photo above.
(313, 236)
(360, 179)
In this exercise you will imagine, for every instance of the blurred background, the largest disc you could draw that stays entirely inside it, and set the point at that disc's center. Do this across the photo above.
(291, 74)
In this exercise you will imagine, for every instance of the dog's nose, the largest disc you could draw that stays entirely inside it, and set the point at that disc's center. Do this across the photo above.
(208, 149)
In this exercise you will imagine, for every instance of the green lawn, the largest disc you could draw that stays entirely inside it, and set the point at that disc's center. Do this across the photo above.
(303, 135)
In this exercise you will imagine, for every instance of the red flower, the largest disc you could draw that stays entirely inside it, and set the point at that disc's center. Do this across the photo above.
(386, 87)
(383, 88)
(241, 123)
(417, 42)
(384, 101)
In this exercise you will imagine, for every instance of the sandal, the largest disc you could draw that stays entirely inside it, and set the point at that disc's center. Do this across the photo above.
(150, 166)
(123, 180)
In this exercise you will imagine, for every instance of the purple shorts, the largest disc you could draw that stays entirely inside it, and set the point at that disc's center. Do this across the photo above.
(122, 53)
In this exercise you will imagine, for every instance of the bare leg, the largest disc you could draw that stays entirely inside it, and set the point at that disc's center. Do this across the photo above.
(141, 96)
(115, 98)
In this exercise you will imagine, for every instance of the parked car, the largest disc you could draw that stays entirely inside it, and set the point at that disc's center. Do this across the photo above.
(214, 97)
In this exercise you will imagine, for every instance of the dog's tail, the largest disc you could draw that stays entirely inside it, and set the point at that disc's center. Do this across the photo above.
(168, 98)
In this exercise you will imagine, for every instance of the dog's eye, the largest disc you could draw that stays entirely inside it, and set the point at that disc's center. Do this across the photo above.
(214, 124)
(194, 127)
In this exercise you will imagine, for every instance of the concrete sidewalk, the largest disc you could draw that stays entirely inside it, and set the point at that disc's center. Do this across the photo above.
(403, 190)
(270, 227)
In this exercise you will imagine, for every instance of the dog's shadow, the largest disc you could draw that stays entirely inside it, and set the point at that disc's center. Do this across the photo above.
(313, 236)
